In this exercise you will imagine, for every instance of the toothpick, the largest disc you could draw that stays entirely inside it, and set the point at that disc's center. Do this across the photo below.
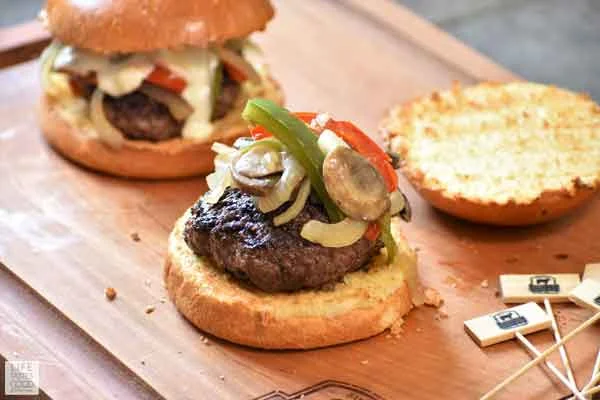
(595, 376)
(539, 359)
(562, 351)
(551, 366)
(592, 391)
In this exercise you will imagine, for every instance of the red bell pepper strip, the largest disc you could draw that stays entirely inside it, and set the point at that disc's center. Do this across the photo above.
(306, 116)
(258, 132)
(165, 78)
(235, 73)
(373, 231)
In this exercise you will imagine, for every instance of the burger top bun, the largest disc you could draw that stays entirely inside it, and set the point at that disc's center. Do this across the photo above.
(517, 153)
(125, 26)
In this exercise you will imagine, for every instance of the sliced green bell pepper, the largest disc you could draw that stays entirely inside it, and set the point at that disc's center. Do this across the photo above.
(385, 223)
(299, 140)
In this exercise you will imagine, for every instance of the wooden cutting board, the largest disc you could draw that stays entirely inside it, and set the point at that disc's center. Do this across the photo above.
(66, 233)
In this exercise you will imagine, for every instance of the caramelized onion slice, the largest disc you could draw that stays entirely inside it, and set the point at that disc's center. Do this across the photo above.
(106, 131)
(178, 107)
(296, 207)
(217, 182)
(238, 63)
(342, 234)
(293, 174)
(329, 141)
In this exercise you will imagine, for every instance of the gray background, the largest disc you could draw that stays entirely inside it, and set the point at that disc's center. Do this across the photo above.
(551, 41)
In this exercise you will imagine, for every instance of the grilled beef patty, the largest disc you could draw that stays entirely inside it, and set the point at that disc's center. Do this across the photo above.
(240, 239)
(141, 118)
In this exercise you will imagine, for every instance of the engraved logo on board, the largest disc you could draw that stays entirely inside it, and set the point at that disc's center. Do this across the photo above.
(328, 390)
(544, 284)
(597, 300)
(509, 320)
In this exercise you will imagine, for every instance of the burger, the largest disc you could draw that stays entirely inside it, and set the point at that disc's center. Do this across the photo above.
(297, 242)
(142, 89)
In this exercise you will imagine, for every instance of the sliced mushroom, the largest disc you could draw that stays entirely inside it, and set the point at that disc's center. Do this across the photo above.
(355, 185)
(258, 186)
(254, 186)
(258, 162)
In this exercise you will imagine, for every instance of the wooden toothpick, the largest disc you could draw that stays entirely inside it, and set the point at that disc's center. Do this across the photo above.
(550, 366)
(539, 359)
(592, 391)
(595, 376)
(562, 351)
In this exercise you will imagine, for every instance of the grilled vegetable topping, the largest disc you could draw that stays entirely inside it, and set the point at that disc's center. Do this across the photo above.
(299, 140)
(341, 234)
(355, 185)
(259, 161)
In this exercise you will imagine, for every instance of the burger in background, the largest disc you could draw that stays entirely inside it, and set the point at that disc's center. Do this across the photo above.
(142, 89)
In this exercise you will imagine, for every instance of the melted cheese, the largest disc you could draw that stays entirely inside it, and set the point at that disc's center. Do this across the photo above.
(118, 76)
(198, 69)
(115, 77)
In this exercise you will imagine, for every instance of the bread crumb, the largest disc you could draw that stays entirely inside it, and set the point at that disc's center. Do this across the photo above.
(364, 362)
(148, 282)
(143, 362)
(433, 298)
(163, 300)
(110, 293)
(135, 236)
(204, 340)
(485, 284)
(419, 330)
(150, 309)
(396, 328)
(222, 377)
(441, 314)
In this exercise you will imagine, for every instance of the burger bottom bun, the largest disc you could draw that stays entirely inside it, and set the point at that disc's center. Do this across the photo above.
(363, 305)
(549, 206)
(173, 158)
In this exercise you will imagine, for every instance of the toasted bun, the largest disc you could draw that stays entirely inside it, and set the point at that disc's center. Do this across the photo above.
(125, 26)
(174, 158)
(363, 305)
(504, 154)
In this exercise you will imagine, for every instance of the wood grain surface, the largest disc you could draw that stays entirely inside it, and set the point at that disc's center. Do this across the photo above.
(22, 43)
(66, 233)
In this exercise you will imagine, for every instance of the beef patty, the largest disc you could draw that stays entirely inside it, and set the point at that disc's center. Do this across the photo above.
(240, 239)
(140, 117)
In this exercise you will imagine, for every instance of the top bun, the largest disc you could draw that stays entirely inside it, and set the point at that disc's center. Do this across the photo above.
(125, 26)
